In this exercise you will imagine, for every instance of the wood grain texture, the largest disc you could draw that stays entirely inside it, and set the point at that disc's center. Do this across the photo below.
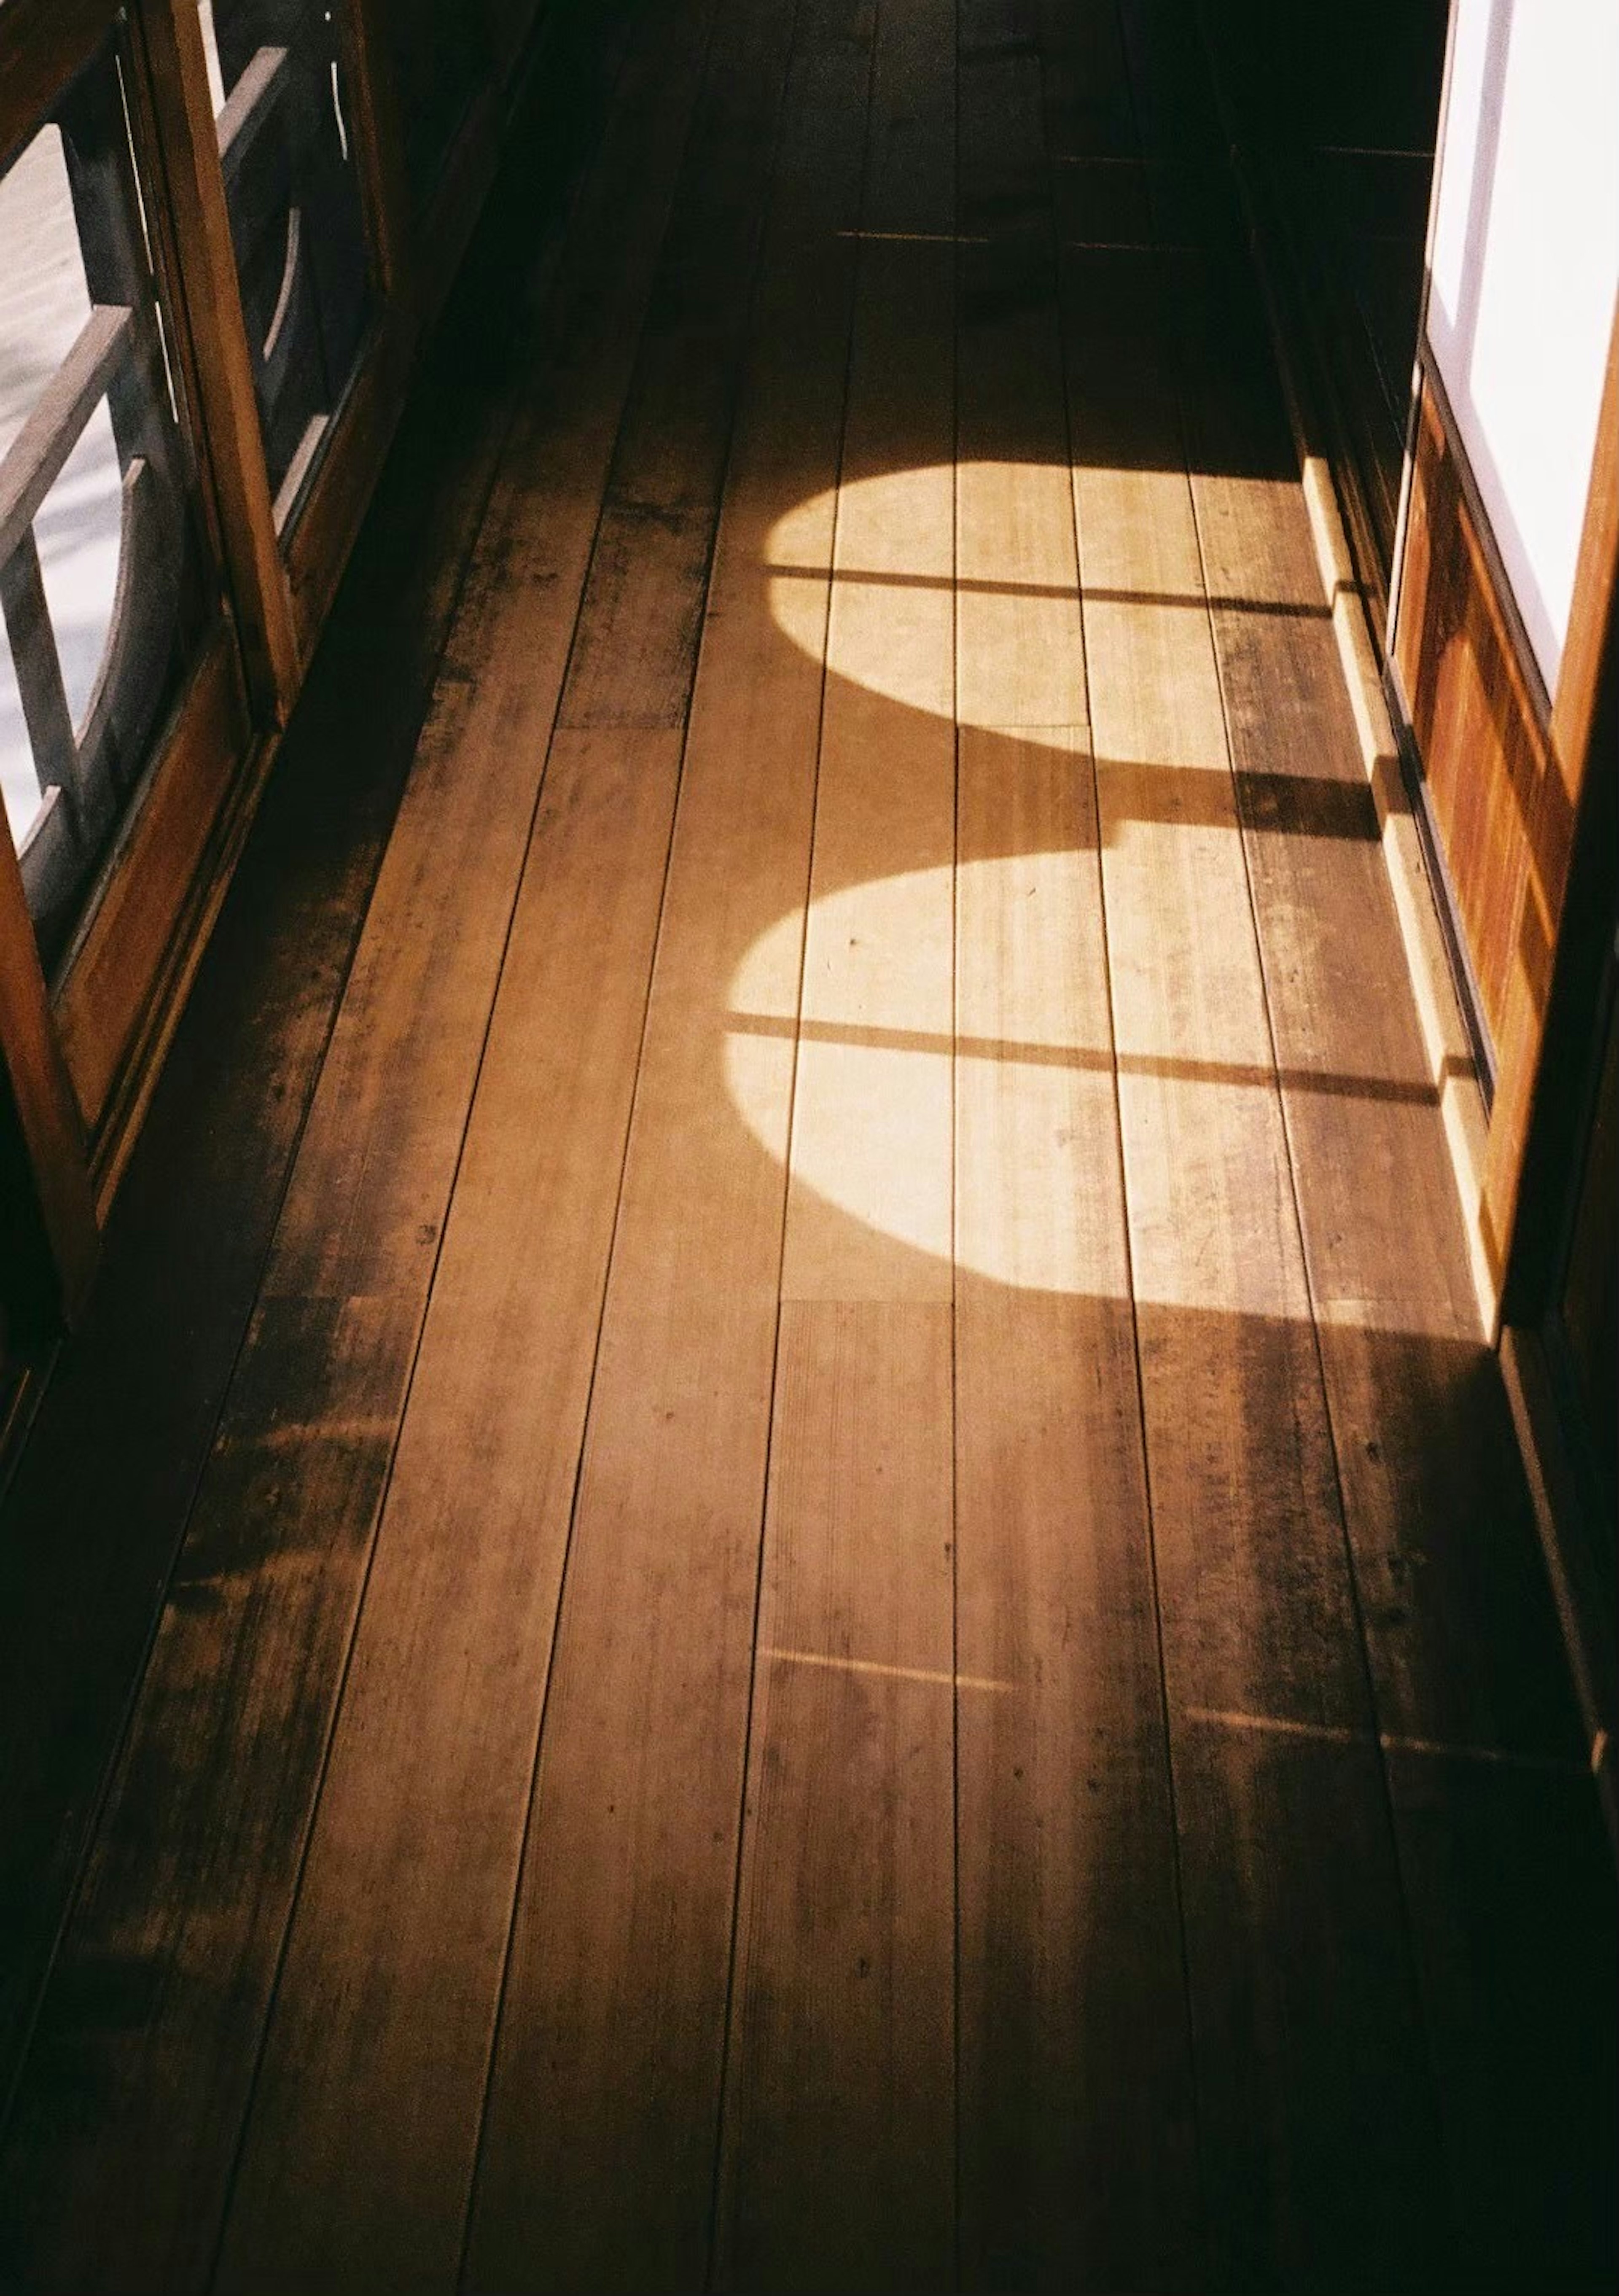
(872, 1103)
(1077, 2162)
(100, 1500)
(1502, 812)
(1270, 1718)
(857, 1617)
(838, 2139)
(175, 80)
(837, 2169)
(1460, 1632)
(424, 1803)
(616, 2000)
(307, 1431)
(121, 964)
(392, 1974)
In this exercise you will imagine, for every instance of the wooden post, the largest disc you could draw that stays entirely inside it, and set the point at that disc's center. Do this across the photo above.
(170, 37)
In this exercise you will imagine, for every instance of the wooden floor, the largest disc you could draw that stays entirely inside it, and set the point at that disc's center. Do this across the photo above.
(780, 1554)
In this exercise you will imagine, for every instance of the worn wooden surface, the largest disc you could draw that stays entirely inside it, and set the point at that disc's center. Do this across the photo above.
(842, 1598)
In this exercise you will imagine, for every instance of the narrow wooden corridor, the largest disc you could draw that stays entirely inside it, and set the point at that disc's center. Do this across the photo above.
(843, 1596)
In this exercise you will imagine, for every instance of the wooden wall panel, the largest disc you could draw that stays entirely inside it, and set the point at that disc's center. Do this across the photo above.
(1498, 803)
(1509, 777)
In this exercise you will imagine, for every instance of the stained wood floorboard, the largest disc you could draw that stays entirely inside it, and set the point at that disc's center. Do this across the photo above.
(275, 1550)
(847, 1601)
(615, 2003)
(92, 1518)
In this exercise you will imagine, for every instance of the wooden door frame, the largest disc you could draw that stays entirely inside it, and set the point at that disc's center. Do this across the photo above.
(80, 1051)
(1540, 1121)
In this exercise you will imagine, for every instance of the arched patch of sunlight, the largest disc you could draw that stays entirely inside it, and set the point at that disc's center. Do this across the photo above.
(1048, 1097)
(990, 1136)
(919, 548)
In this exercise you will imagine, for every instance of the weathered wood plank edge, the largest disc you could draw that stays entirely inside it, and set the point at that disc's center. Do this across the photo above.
(1451, 1065)
(359, 926)
(241, 905)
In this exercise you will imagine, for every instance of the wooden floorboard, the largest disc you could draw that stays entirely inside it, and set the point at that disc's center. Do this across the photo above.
(141, 1992)
(94, 1518)
(615, 2005)
(1316, 2124)
(469, 1560)
(1077, 2153)
(839, 2162)
(838, 2159)
(855, 1608)
(1470, 1694)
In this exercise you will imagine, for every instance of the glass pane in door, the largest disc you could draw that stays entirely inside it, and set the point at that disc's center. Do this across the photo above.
(291, 187)
(102, 588)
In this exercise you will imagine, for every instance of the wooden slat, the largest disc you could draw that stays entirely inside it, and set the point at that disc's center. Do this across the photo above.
(1304, 2026)
(391, 1983)
(117, 965)
(1021, 659)
(838, 2141)
(616, 2000)
(1462, 1638)
(1460, 1631)
(33, 459)
(1077, 2160)
(249, 109)
(37, 669)
(309, 1425)
(415, 1859)
(875, 1111)
(839, 2165)
(101, 1496)
(1085, 81)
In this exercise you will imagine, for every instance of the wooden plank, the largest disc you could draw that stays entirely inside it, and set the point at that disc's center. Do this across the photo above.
(839, 2164)
(1322, 2159)
(175, 84)
(615, 2003)
(385, 1997)
(1460, 1629)
(1269, 1720)
(1077, 2153)
(414, 1857)
(1076, 2161)
(910, 188)
(838, 2142)
(33, 461)
(101, 1493)
(1085, 81)
(1021, 659)
(118, 964)
(645, 601)
(868, 1206)
(309, 1425)
(36, 666)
